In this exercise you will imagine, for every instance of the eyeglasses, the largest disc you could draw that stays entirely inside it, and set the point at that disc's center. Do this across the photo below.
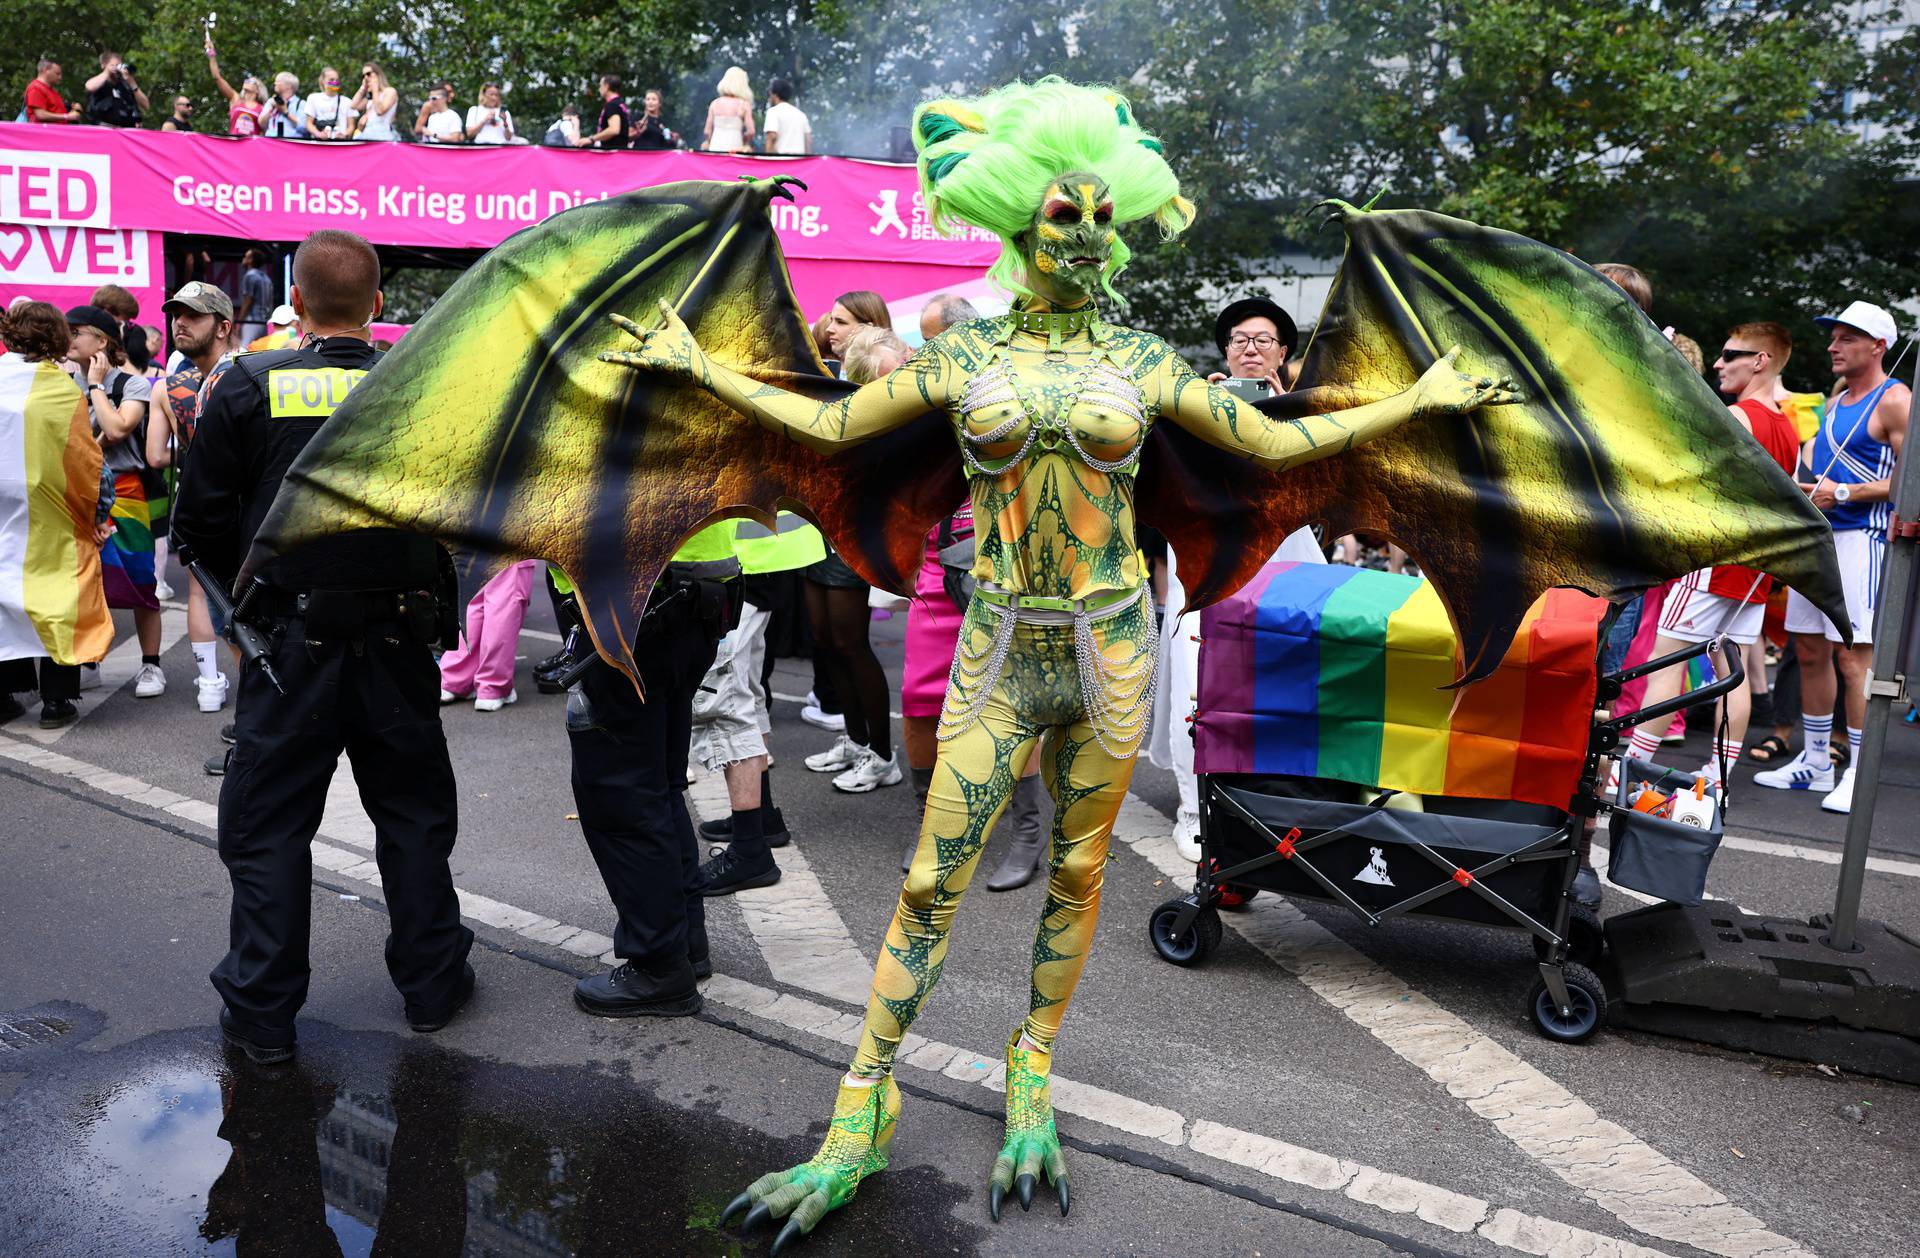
(1260, 340)
(1733, 355)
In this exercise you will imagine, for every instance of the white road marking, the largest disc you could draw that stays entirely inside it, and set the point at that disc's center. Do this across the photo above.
(799, 932)
(1621, 1173)
(122, 662)
(1511, 1229)
(1819, 855)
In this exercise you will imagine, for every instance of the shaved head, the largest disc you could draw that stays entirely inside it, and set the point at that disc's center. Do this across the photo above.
(338, 275)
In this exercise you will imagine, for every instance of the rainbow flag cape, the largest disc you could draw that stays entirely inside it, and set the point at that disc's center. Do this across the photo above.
(1334, 672)
(51, 601)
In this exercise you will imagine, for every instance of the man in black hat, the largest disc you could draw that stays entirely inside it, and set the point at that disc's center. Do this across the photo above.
(1256, 337)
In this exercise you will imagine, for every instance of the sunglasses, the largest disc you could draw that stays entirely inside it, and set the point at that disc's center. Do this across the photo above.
(1734, 355)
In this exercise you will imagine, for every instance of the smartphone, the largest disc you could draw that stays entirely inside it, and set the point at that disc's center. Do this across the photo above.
(1247, 388)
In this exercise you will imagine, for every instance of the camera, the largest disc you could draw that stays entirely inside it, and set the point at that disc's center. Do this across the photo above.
(126, 67)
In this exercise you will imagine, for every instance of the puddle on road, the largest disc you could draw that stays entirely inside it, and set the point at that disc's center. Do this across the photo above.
(367, 1145)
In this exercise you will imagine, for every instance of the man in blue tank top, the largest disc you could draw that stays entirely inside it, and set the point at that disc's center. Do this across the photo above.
(1852, 457)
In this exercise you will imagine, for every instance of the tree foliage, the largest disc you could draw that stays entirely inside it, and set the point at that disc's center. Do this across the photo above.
(1707, 143)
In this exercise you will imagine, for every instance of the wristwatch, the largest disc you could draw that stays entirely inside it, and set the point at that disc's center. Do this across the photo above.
(1842, 492)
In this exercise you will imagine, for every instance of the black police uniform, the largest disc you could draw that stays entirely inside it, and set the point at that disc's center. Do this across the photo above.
(629, 783)
(350, 621)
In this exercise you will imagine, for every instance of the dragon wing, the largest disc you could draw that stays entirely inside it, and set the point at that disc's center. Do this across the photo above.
(494, 428)
(1618, 469)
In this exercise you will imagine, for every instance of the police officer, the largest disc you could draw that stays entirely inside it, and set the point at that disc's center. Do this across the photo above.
(348, 622)
(629, 785)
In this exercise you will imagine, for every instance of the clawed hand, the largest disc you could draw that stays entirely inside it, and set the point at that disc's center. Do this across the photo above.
(1446, 390)
(669, 347)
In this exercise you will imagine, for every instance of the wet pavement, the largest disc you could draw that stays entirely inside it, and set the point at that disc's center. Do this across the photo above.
(371, 1144)
(524, 1128)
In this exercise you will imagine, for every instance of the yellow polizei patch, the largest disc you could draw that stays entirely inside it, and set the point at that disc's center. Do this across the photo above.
(309, 392)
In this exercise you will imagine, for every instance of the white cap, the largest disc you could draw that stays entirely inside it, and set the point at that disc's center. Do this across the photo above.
(283, 315)
(1863, 316)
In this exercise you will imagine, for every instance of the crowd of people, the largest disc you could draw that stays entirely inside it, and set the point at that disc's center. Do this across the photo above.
(370, 110)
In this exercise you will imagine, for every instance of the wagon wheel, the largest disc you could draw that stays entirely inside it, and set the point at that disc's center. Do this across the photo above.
(1586, 1012)
(1190, 948)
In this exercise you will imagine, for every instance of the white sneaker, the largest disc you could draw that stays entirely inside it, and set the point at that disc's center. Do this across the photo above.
(161, 589)
(494, 705)
(843, 755)
(89, 677)
(212, 692)
(1800, 774)
(1841, 800)
(149, 682)
(868, 772)
(1186, 835)
(813, 716)
(447, 696)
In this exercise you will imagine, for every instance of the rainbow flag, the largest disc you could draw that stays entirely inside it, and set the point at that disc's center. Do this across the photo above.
(51, 600)
(1806, 411)
(1327, 671)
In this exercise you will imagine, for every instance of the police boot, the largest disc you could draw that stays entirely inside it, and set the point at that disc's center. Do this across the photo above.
(637, 989)
(1027, 817)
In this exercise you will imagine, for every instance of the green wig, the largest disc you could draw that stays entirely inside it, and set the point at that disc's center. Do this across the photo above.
(987, 162)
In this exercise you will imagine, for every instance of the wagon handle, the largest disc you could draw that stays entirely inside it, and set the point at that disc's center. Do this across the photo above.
(1606, 734)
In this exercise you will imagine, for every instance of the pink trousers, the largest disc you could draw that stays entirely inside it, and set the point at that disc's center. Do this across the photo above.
(482, 665)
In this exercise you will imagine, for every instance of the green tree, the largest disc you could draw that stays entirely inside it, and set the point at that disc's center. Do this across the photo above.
(1706, 143)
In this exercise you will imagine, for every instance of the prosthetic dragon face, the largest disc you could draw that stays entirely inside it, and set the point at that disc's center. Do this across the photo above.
(1069, 246)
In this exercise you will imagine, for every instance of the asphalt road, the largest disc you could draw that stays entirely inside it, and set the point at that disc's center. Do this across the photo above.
(1319, 1087)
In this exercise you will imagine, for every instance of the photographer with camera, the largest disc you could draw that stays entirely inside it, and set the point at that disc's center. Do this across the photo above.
(113, 98)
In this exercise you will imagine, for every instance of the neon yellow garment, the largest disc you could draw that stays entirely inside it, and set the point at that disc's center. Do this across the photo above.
(791, 543)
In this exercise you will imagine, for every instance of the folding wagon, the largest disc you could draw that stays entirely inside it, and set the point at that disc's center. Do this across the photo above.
(1336, 767)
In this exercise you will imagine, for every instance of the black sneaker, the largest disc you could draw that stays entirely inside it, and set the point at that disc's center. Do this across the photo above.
(728, 873)
(721, 830)
(628, 992)
(216, 764)
(430, 1023)
(57, 713)
(227, 734)
(10, 707)
(257, 1051)
(1586, 887)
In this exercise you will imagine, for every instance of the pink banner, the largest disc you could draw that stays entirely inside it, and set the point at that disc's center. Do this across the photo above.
(853, 213)
(859, 224)
(64, 265)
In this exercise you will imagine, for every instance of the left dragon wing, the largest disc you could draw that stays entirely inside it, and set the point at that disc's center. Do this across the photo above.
(494, 428)
(1618, 468)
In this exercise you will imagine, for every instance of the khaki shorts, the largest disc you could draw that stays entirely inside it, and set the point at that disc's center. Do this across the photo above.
(730, 718)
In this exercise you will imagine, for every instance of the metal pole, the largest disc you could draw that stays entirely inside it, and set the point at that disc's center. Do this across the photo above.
(1884, 684)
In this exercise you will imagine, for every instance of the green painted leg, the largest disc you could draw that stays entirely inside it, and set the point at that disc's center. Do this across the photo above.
(855, 1147)
(1033, 1147)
